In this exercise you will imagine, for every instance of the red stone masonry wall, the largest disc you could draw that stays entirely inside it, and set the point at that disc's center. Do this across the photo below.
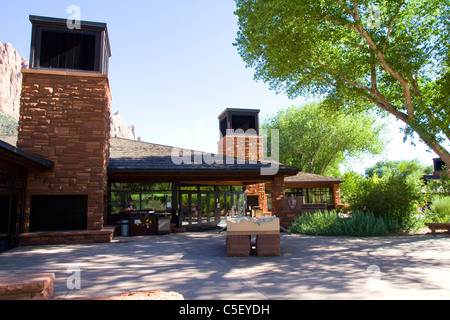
(442, 173)
(277, 194)
(243, 147)
(65, 117)
(250, 148)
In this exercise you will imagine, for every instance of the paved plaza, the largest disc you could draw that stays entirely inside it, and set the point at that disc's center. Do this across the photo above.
(196, 266)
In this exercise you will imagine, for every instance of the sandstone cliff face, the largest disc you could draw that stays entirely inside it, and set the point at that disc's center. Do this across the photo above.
(119, 130)
(10, 79)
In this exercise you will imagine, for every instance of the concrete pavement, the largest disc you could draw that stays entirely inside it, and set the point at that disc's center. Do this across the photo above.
(196, 266)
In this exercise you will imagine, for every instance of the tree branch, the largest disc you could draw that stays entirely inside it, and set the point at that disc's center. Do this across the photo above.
(403, 82)
(391, 24)
(380, 56)
(350, 12)
(343, 76)
(373, 73)
(355, 6)
(329, 19)
(384, 104)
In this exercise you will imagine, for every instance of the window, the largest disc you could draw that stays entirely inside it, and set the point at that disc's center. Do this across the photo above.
(312, 195)
(141, 196)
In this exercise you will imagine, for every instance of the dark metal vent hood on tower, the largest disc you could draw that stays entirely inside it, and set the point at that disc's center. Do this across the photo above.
(56, 46)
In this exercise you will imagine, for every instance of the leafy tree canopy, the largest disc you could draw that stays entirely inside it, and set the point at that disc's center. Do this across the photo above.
(318, 141)
(404, 168)
(389, 55)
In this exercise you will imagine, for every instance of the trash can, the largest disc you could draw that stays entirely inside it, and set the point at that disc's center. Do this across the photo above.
(125, 225)
(142, 223)
(164, 222)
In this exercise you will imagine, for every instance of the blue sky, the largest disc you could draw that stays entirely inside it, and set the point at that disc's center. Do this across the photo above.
(174, 69)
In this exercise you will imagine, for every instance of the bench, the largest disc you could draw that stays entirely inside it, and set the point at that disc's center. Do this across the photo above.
(438, 226)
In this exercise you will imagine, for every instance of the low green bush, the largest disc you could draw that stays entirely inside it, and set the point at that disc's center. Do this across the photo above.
(359, 224)
(393, 198)
(319, 223)
(439, 210)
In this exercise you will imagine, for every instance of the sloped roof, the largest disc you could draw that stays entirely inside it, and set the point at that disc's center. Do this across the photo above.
(11, 153)
(12, 140)
(303, 177)
(135, 156)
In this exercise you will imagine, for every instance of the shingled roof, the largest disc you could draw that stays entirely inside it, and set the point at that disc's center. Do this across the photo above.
(9, 152)
(135, 156)
(303, 177)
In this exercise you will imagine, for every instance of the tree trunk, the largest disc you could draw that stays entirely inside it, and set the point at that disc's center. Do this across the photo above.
(436, 147)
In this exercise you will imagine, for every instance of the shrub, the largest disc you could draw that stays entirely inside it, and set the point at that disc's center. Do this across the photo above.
(394, 198)
(441, 187)
(360, 224)
(319, 223)
(349, 187)
(439, 210)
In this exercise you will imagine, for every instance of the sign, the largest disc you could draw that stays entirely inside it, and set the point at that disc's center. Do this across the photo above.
(293, 203)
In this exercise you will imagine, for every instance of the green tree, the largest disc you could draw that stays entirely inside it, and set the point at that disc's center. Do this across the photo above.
(404, 167)
(394, 58)
(351, 184)
(394, 197)
(318, 141)
(440, 187)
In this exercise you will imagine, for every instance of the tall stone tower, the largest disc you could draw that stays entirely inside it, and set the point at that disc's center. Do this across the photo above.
(240, 140)
(65, 117)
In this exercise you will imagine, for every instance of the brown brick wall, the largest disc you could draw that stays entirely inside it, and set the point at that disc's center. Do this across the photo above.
(249, 148)
(442, 173)
(337, 194)
(65, 117)
(246, 147)
(278, 192)
(260, 191)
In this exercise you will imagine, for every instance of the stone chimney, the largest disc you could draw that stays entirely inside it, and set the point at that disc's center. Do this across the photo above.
(439, 168)
(240, 141)
(65, 117)
(239, 135)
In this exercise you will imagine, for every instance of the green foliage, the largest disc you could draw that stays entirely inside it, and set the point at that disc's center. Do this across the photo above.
(439, 210)
(441, 187)
(404, 168)
(351, 183)
(360, 224)
(8, 125)
(318, 141)
(154, 204)
(329, 49)
(394, 197)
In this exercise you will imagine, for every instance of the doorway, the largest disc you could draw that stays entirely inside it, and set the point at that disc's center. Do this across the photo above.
(11, 210)
(209, 206)
(198, 207)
